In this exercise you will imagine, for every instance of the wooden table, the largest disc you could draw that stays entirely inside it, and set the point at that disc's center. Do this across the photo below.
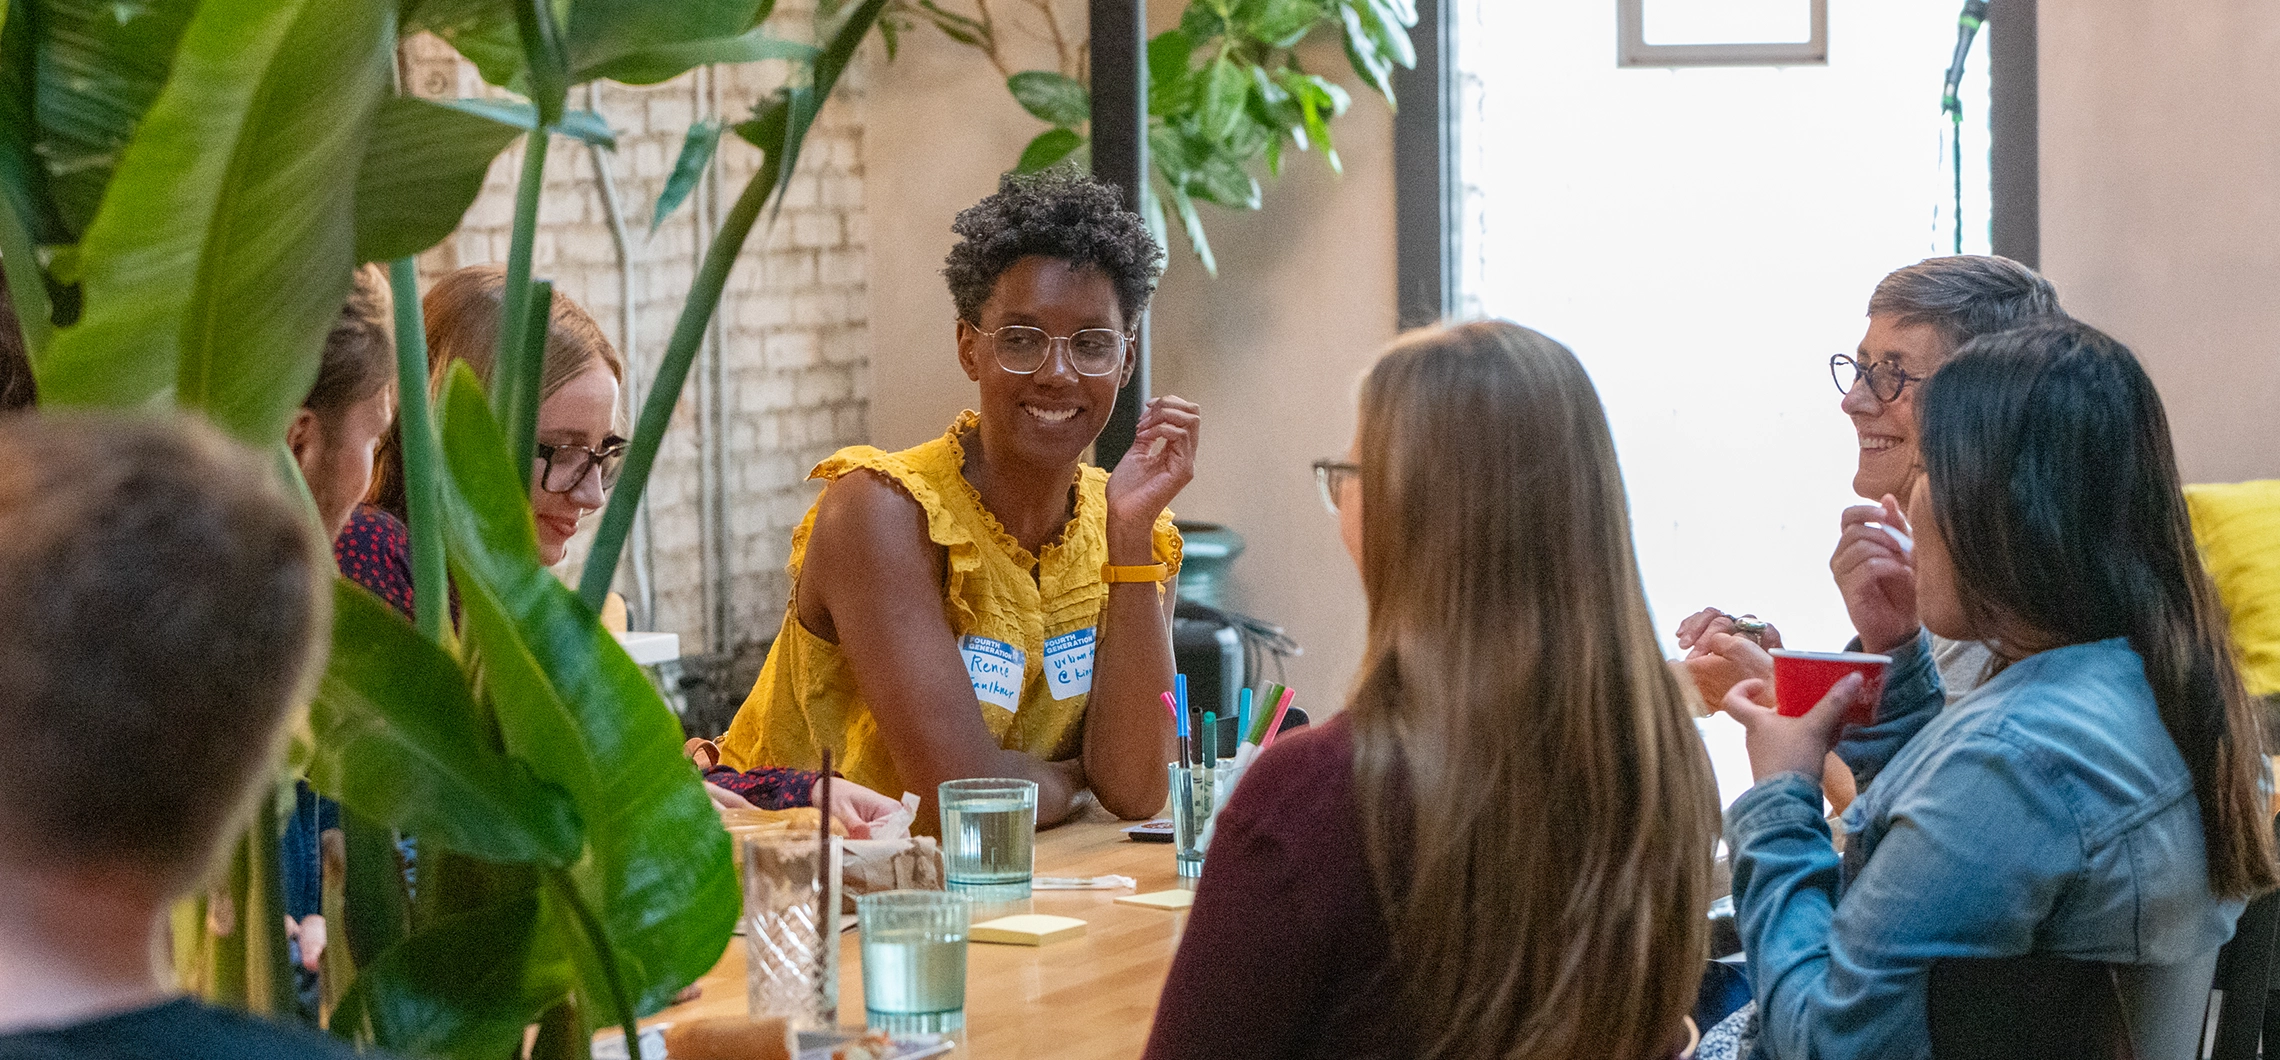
(1090, 997)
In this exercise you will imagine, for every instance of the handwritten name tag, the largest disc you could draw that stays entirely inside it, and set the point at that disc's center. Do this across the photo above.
(996, 669)
(1069, 663)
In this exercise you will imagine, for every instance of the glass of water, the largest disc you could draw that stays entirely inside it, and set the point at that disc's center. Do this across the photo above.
(989, 834)
(914, 961)
(791, 927)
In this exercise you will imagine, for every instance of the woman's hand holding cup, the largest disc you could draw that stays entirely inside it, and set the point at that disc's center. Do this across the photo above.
(1780, 744)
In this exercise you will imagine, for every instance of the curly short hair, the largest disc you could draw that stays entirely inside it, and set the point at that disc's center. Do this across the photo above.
(1059, 213)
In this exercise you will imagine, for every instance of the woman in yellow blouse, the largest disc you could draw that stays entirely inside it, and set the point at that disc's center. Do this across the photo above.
(986, 604)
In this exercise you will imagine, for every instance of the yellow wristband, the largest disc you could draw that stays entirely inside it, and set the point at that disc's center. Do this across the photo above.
(1147, 572)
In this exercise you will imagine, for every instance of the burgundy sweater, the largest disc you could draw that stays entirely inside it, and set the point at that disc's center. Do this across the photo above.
(1285, 953)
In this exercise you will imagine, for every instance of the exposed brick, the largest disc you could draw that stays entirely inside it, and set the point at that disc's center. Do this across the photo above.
(794, 313)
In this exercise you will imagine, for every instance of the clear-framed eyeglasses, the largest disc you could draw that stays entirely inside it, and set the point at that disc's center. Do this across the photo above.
(561, 468)
(1886, 379)
(1331, 477)
(1023, 350)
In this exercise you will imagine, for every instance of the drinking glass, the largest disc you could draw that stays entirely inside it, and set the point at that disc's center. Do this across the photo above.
(914, 961)
(989, 833)
(1195, 797)
(791, 927)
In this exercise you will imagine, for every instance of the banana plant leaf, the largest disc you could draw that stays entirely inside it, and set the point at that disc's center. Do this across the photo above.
(399, 737)
(614, 38)
(100, 66)
(422, 169)
(222, 251)
(633, 41)
(463, 988)
(577, 709)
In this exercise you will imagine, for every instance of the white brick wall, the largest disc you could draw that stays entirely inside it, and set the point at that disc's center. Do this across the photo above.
(795, 317)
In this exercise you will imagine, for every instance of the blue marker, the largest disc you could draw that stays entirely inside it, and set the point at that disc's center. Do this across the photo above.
(1242, 717)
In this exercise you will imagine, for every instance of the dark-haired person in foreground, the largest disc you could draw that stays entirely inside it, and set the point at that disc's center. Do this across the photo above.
(167, 599)
(2097, 799)
(1917, 318)
(985, 604)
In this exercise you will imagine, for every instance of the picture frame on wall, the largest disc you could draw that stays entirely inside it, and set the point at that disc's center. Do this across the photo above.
(1688, 32)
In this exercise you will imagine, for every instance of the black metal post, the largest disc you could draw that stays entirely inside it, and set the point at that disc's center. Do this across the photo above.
(1424, 170)
(2015, 155)
(1120, 157)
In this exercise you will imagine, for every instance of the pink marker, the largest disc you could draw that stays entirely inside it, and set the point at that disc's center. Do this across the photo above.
(1274, 728)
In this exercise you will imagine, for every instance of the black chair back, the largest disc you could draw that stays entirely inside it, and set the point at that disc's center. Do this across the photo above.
(2033, 1007)
(2240, 998)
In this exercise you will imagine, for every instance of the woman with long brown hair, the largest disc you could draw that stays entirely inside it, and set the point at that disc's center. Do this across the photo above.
(1502, 846)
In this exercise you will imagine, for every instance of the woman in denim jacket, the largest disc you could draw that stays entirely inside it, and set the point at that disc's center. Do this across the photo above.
(2098, 799)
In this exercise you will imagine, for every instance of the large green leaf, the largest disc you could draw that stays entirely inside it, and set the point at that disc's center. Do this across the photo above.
(101, 65)
(671, 59)
(223, 249)
(608, 38)
(465, 987)
(422, 169)
(400, 738)
(23, 180)
(1051, 97)
(572, 704)
(482, 30)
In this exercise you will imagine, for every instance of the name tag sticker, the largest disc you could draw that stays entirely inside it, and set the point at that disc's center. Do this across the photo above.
(996, 668)
(1069, 663)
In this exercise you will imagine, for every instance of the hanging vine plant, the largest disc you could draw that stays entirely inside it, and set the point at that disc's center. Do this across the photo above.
(1226, 89)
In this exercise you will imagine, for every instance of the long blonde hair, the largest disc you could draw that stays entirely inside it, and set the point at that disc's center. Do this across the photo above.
(1539, 811)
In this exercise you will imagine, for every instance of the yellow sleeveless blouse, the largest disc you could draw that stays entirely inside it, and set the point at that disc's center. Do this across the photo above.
(995, 594)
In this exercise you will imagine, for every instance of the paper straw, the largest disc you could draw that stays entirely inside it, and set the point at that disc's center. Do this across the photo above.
(826, 903)
(1274, 727)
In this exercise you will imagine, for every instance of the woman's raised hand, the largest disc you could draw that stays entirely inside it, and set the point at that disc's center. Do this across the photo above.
(1876, 574)
(1159, 464)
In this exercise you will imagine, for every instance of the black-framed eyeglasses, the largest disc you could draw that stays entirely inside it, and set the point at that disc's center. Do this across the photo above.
(562, 467)
(1886, 379)
(1023, 350)
(1331, 477)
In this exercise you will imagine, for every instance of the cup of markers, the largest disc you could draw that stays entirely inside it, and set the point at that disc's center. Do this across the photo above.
(1204, 777)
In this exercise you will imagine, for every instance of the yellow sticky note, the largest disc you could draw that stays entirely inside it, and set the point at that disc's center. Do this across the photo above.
(1028, 929)
(1175, 899)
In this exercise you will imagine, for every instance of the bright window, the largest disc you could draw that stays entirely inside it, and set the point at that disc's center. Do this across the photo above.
(1704, 239)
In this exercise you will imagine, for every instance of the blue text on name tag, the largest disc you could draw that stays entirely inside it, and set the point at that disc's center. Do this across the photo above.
(996, 669)
(1069, 663)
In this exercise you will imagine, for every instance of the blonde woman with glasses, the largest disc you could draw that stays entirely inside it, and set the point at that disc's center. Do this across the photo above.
(1502, 847)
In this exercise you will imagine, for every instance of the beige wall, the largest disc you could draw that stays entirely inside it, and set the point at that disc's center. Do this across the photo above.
(1270, 349)
(2161, 207)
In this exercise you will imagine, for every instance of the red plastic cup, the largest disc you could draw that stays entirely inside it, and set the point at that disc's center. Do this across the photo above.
(1802, 678)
